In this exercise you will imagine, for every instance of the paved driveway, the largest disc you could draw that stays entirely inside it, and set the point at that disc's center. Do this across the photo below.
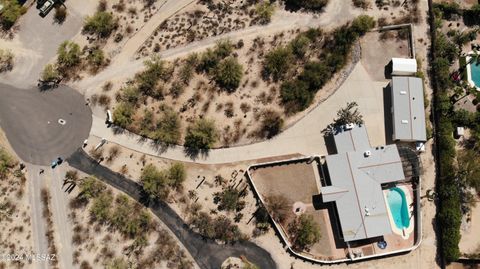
(37, 41)
(30, 120)
(207, 253)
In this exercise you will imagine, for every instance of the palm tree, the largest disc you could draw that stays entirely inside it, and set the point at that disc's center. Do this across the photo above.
(71, 177)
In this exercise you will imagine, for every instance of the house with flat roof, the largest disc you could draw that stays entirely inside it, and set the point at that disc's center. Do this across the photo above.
(356, 174)
(408, 111)
(404, 67)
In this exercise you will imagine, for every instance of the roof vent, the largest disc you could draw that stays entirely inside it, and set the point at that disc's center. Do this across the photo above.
(404, 121)
(367, 153)
(349, 126)
(403, 92)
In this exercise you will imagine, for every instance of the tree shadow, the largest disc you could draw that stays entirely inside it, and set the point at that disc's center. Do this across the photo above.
(194, 153)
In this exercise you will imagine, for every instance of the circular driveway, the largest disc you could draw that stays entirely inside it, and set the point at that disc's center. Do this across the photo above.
(32, 121)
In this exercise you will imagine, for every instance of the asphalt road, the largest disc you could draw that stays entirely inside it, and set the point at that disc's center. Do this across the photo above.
(30, 120)
(207, 253)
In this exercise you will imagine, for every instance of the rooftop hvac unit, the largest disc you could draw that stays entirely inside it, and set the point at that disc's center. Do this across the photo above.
(349, 126)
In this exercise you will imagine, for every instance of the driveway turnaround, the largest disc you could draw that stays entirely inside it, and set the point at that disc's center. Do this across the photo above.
(42, 126)
(207, 253)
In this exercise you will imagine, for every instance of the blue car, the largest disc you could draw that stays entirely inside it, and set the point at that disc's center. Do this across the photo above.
(56, 162)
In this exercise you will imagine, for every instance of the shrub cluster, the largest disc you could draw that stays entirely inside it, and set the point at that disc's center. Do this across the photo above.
(449, 214)
(201, 135)
(12, 10)
(102, 24)
(298, 93)
(158, 183)
(221, 66)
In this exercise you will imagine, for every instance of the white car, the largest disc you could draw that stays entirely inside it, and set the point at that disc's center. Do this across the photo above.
(47, 6)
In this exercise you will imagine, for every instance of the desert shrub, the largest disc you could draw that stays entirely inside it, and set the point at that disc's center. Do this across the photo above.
(229, 199)
(362, 24)
(168, 128)
(101, 24)
(122, 115)
(177, 175)
(157, 183)
(210, 58)
(314, 5)
(295, 96)
(264, 12)
(469, 168)
(225, 230)
(117, 263)
(315, 75)
(129, 218)
(6, 60)
(6, 162)
(277, 62)
(68, 55)
(90, 187)
(12, 10)
(279, 207)
(300, 45)
(188, 68)
(448, 9)
(104, 100)
(201, 135)
(60, 14)
(49, 73)
(101, 208)
(147, 80)
(271, 124)
(228, 73)
(129, 94)
(114, 152)
(365, 4)
(305, 231)
(96, 59)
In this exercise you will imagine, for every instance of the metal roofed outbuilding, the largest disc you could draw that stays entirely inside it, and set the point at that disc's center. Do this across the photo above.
(408, 111)
(404, 67)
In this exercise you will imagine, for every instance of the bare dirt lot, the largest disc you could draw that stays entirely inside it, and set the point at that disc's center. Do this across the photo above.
(392, 46)
(298, 182)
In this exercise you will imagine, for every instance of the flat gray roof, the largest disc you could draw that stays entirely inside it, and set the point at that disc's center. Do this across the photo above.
(408, 111)
(351, 140)
(356, 187)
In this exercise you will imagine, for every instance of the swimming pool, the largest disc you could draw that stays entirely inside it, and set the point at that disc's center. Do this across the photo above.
(473, 73)
(475, 69)
(397, 202)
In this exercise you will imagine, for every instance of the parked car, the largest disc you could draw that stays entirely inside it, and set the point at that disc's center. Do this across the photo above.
(56, 162)
(47, 6)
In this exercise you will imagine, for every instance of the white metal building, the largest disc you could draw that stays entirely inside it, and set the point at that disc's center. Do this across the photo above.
(404, 67)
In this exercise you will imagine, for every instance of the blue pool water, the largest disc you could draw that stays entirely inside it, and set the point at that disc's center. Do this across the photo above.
(475, 68)
(398, 207)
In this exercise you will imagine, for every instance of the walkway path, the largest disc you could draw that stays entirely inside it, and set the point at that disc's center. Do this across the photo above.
(166, 10)
(304, 137)
(207, 253)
